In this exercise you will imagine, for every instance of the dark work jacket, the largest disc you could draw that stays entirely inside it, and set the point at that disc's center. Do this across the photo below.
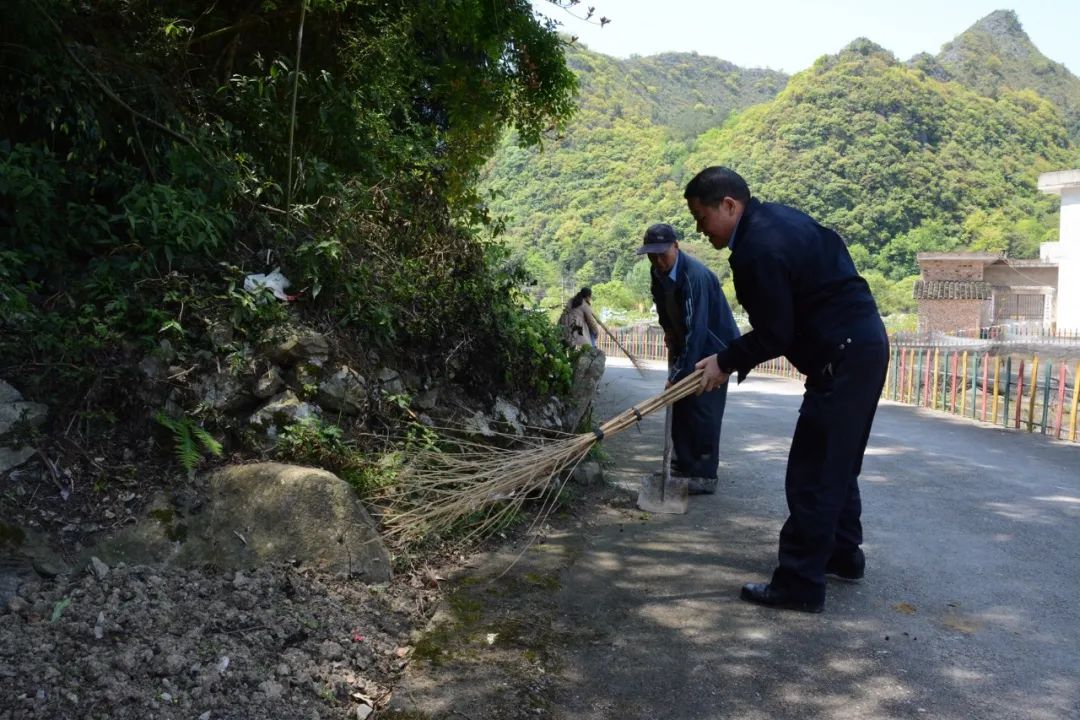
(694, 312)
(798, 284)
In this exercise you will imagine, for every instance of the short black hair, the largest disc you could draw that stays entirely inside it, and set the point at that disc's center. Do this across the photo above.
(715, 183)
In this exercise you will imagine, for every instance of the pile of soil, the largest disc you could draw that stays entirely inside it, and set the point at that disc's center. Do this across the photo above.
(144, 642)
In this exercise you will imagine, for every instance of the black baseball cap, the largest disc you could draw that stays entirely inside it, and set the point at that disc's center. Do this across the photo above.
(658, 238)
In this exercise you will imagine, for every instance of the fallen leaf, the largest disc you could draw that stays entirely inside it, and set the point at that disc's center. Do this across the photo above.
(58, 609)
(966, 625)
(906, 608)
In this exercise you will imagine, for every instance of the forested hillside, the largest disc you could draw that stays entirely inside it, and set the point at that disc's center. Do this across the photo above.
(617, 165)
(935, 154)
(898, 161)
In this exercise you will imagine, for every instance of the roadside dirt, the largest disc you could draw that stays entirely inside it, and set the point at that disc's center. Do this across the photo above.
(282, 641)
(139, 642)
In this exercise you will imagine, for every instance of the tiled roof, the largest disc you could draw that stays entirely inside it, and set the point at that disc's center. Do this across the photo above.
(951, 290)
(959, 256)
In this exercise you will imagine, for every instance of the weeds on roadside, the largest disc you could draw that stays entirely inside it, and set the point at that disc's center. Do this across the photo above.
(191, 440)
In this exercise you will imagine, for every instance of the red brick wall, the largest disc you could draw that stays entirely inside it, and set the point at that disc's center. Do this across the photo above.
(950, 315)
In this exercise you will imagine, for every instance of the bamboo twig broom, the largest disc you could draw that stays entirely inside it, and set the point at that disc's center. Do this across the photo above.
(439, 491)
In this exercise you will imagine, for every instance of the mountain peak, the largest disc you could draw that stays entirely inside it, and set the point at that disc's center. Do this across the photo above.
(999, 32)
(864, 46)
(861, 48)
(996, 54)
(1000, 23)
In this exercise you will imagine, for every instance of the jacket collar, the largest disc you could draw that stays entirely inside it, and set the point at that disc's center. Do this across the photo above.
(747, 212)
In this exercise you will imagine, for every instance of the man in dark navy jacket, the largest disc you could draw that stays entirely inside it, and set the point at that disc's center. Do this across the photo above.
(697, 322)
(806, 302)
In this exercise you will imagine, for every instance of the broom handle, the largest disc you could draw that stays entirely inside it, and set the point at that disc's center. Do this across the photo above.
(684, 388)
(633, 360)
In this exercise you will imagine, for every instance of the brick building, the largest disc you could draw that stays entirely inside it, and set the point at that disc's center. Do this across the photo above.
(968, 292)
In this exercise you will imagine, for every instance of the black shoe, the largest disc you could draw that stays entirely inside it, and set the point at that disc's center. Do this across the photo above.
(847, 568)
(763, 594)
(701, 485)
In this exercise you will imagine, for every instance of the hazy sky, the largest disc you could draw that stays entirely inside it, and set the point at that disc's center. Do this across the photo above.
(789, 35)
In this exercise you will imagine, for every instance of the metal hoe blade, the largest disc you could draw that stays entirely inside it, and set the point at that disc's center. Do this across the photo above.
(660, 492)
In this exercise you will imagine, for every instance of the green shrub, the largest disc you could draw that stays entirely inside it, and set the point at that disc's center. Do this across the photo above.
(312, 441)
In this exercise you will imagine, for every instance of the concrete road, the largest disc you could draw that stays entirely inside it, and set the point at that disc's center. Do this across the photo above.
(969, 608)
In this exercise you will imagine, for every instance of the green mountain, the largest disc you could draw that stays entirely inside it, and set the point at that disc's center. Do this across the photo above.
(898, 161)
(996, 54)
(899, 157)
(685, 92)
(574, 205)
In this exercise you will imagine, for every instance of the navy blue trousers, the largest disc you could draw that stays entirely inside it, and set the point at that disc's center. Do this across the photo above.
(824, 463)
(695, 433)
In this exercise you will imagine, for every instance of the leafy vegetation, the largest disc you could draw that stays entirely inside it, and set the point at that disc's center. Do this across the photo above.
(191, 440)
(153, 154)
(876, 150)
(312, 441)
(575, 206)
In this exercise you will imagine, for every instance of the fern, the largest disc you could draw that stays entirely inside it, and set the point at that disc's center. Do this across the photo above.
(186, 434)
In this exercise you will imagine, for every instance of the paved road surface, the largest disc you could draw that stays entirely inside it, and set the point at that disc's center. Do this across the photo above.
(969, 608)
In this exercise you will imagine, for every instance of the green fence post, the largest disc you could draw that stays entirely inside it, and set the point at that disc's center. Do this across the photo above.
(1020, 393)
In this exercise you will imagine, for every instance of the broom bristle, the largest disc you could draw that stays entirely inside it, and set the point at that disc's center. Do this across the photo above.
(479, 488)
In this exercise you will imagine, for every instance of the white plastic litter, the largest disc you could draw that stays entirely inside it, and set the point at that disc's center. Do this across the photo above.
(275, 282)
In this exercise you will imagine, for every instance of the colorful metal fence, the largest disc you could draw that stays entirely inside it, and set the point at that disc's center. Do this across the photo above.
(1014, 392)
(1017, 392)
(1015, 334)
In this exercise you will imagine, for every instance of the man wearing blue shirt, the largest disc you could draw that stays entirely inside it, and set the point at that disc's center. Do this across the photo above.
(806, 302)
(697, 322)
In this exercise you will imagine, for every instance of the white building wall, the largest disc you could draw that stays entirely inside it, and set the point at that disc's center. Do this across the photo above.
(1066, 184)
(1068, 314)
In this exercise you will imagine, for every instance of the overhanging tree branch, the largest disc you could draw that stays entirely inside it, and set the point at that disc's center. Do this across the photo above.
(109, 92)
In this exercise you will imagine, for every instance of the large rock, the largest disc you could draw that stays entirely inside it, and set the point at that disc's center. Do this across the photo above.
(20, 411)
(24, 555)
(284, 409)
(224, 391)
(262, 513)
(14, 457)
(15, 411)
(302, 346)
(8, 393)
(510, 415)
(390, 381)
(269, 383)
(344, 390)
(588, 370)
